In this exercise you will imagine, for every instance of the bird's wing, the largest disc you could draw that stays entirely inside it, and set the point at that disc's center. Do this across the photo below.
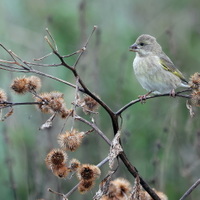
(169, 66)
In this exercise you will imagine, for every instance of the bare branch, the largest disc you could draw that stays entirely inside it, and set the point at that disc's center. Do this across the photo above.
(84, 48)
(178, 94)
(189, 191)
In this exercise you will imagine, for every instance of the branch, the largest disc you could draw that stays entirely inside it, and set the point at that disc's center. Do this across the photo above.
(187, 193)
(178, 94)
(124, 159)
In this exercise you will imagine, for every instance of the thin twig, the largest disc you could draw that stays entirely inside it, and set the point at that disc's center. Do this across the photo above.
(188, 192)
(84, 48)
(94, 127)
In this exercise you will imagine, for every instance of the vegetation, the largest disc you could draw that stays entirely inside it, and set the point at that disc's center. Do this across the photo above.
(61, 110)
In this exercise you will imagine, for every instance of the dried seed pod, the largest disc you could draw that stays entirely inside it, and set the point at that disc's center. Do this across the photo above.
(85, 186)
(3, 96)
(70, 140)
(195, 99)
(34, 83)
(60, 171)
(56, 158)
(88, 172)
(74, 164)
(20, 85)
(195, 81)
(89, 105)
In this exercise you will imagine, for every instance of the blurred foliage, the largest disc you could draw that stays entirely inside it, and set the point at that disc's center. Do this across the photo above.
(159, 137)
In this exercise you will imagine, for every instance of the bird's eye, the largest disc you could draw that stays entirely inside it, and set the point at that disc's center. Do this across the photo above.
(141, 44)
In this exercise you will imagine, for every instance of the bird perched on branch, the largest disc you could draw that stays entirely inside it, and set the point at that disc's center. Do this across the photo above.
(153, 69)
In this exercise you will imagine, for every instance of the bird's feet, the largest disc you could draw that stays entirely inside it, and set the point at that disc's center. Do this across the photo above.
(144, 97)
(172, 93)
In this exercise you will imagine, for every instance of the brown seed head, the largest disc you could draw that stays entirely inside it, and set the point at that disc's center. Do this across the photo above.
(123, 187)
(85, 186)
(195, 81)
(88, 172)
(60, 171)
(64, 113)
(145, 196)
(34, 83)
(3, 96)
(74, 164)
(56, 158)
(89, 105)
(43, 102)
(70, 140)
(51, 102)
(195, 99)
(20, 85)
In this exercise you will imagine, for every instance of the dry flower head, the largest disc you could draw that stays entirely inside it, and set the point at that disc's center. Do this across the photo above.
(26, 84)
(195, 98)
(60, 171)
(89, 105)
(145, 196)
(19, 85)
(70, 140)
(195, 81)
(3, 97)
(85, 186)
(52, 102)
(56, 158)
(74, 164)
(88, 172)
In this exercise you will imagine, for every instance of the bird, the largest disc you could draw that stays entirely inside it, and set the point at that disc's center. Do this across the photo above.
(153, 69)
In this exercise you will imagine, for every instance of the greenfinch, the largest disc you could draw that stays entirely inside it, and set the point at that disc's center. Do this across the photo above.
(153, 68)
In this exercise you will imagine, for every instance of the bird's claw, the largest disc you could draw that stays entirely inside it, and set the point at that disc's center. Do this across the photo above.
(172, 93)
(142, 98)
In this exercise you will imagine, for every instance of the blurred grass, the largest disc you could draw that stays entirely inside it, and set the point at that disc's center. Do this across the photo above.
(159, 137)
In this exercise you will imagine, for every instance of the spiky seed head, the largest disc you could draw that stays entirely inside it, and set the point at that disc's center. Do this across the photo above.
(56, 158)
(3, 96)
(85, 186)
(20, 85)
(60, 171)
(74, 164)
(70, 140)
(52, 102)
(34, 83)
(89, 105)
(88, 172)
(195, 98)
(123, 187)
(195, 81)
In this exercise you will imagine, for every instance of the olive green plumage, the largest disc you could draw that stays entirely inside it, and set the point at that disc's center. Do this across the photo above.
(153, 68)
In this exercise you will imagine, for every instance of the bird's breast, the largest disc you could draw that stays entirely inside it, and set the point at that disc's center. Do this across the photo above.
(148, 64)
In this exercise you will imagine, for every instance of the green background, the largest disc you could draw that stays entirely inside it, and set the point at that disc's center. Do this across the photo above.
(160, 138)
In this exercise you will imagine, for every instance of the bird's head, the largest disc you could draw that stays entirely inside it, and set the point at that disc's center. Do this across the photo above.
(146, 45)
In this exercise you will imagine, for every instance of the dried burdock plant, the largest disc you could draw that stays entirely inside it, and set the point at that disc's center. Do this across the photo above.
(3, 96)
(70, 140)
(74, 164)
(88, 104)
(88, 172)
(195, 98)
(20, 85)
(56, 161)
(195, 81)
(56, 157)
(26, 84)
(60, 171)
(52, 102)
(85, 186)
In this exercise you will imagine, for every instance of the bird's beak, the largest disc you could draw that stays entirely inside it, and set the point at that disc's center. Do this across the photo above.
(133, 47)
